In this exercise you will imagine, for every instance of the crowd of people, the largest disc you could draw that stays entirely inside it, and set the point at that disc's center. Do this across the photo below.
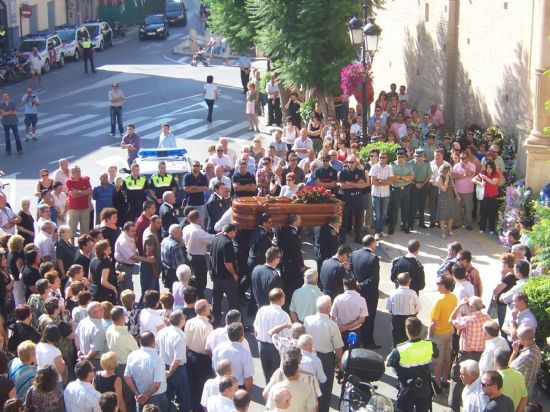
(76, 337)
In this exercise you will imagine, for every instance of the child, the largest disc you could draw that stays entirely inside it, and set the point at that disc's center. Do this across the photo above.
(167, 302)
(74, 273)
(128, 300)
(75, 288)
(80, 312)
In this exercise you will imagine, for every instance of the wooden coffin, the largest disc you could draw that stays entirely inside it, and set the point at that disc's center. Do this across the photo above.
(246, 211)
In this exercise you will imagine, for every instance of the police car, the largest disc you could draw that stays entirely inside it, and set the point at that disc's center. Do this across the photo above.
(70, 35)
(178, 164)
(50, 48)
(100, 33)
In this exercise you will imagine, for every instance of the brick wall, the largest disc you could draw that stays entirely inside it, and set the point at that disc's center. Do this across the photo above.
(471, 56)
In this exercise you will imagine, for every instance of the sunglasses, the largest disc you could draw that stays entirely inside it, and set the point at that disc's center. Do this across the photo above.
(45, 175)
(463, 158)
(383, 157)
(485, 385)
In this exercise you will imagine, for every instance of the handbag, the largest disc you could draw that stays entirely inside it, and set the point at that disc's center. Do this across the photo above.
(480, 191)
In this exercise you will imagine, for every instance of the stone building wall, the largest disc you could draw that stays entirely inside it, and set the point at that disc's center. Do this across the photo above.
(471, 57)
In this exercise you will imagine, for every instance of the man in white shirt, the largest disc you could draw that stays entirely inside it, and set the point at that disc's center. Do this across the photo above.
(402, 303)
(310, 362)
(463, 289)
(126, 254)
(493, 341)
(90, 337)
(302, 144)
(220, 177)
(44, 241)
(349, 309)
(210, 91)
(227, 150)
(521, 315)
(234, 351)
(273, 103)
(267, 318)
(196, 241)
(167, 140)
(145, 374)
(328, 343)
(435, 164)
(221, 159)
(219, 335)
(62, 173)
(80, 395)
(171, 346)
(116, 98)
(381, 175)
(8, 219)
(224, 401)
(149, 319)
(473, 398)
(224, 368)
(35, 61)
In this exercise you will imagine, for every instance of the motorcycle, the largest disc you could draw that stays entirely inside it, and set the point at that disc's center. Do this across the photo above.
(360, 367)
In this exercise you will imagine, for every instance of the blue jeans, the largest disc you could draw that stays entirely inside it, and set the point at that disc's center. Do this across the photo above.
(178, 386)
(147, 279)
(15, 131)
(116, 118)
(160, 401)
(379, 210)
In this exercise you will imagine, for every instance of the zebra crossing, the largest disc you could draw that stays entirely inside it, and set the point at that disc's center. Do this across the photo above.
(148, 127)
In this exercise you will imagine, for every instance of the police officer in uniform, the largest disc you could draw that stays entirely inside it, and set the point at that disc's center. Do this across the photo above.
(87, 49)
(403, 176)
(290, 243)
(333, 272)
(327, 240)
(161, 182)
(135, 188)
(352, 181)
(412, 361)
(365, 266)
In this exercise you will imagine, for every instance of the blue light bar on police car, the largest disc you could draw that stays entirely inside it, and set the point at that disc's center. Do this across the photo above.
(162, 152)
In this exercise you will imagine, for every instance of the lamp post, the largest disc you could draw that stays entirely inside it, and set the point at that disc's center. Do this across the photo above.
(367, 36)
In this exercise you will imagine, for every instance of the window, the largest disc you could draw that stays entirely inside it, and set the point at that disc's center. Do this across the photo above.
(427, 12)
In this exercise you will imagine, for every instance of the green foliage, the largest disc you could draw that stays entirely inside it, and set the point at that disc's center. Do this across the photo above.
(307, 108)
(538, 291)
(306, 40)
(263, 81)
(229, 18)
(539, 238)
(388, 147)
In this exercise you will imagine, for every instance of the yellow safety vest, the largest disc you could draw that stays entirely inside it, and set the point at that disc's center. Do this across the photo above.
(2, 32)
(135, 184)
(415, 353)
(162, 181)
(86, 44)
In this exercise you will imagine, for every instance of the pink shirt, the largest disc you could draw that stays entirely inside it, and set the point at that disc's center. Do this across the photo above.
(348, 306)
(464, 185)
(437, 118)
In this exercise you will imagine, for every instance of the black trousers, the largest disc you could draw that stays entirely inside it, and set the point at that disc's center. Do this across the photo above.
(199, 271)
(456, 387)
(488, 212)
(367, 329)
(270, 359)
(328, 360)
(274, 113)
(353, 213)
(231, 290)
(169, 278)
(418, 203)
(245, 78)
(88, 56)
(292, 280)
(398, 329)
(420, 398)
(210, 104)
(199, 370)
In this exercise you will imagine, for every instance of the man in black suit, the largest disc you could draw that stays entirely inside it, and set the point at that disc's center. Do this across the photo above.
(167, 212)
(365, 266)
(260, 241)
(290, 243)
(327, 240)
(409, 263)
(266, 277)
(224, 271)
(333, 271)
(216, 206)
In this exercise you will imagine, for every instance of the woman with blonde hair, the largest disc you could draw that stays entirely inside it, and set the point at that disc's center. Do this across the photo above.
(106, 380)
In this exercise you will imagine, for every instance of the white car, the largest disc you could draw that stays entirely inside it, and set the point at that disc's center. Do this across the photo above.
(71, 35)
(100, 33)
(50, 48)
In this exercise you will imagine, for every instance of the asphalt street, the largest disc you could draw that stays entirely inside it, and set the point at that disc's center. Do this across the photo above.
(163, 87)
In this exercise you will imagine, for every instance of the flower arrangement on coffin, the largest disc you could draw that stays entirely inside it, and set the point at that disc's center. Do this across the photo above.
(478, 130)
(508, 149)
(351, 81)
(314, 194)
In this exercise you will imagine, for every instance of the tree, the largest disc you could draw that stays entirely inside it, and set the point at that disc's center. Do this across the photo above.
(307, 41)
(231, 19)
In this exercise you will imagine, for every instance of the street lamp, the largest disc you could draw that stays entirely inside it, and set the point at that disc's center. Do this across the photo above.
(368, 37)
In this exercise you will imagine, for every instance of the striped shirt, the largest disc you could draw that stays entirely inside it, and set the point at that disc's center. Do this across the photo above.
(22, 375)
(382, 173)
(528, 363)
(471, 331)
(312, 364)
(403, 301)
(267, 318)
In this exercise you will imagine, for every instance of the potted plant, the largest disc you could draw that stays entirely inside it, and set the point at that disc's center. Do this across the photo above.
(388, 147)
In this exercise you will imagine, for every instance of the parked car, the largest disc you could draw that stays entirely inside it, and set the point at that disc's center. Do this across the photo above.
(71, 35)
(176, 13)
(155, 25)
(50, 47)
(100, 33)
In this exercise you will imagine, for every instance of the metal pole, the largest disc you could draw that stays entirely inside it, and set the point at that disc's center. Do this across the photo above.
(364, 111)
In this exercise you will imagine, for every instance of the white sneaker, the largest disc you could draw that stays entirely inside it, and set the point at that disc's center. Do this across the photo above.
(491, 233)
(34, 136)
(377, 236)
(481, 232)
(112, 134)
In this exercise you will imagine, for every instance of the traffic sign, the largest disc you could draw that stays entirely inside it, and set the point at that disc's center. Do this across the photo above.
(26, 11)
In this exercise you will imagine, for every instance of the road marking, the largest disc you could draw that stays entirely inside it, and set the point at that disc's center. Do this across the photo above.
(104, 132)
(164, 103)
(77, 118)
(57, 161)
(173, 128)
(190, 134)
(135, 95)
(242, 126)
(115, 160)
(51, 119)
(87, 125)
